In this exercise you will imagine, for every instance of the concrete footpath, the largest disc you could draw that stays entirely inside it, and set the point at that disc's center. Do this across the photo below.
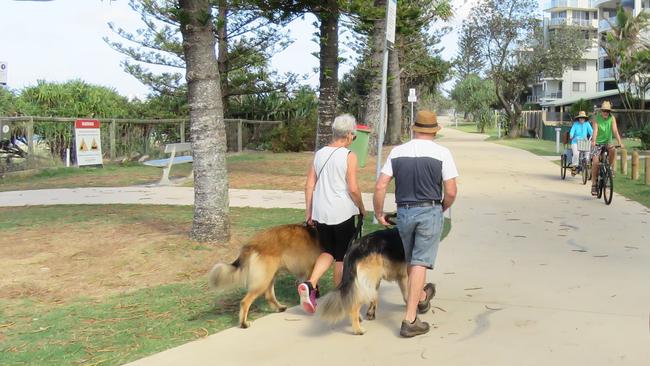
(160, 195)
(534, 272)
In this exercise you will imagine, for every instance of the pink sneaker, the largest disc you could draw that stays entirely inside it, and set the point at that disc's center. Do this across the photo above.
(307, 297)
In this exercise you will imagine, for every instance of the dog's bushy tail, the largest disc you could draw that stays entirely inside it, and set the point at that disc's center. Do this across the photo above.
(333, 307)
(225, 276)
(337, 304)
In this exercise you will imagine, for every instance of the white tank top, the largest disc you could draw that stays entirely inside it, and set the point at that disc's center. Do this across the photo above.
(331, 202)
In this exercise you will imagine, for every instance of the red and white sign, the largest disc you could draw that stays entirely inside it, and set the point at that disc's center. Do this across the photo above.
(88, 140)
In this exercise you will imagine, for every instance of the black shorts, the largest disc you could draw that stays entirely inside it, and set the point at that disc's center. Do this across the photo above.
(335, 239)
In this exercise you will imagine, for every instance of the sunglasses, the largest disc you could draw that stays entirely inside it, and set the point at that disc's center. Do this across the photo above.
(354, 137)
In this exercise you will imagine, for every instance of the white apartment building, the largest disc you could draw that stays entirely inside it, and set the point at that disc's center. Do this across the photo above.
(581, 80)
(607, 16)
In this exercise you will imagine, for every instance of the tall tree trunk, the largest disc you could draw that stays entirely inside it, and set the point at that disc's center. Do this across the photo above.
(513, 116)
(394, 129)
(515, 128)
(373, 105)
(222, 58)
(329, 70)
(207, 129)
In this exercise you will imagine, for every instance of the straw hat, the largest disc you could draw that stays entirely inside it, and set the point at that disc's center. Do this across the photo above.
(582, 114)
(426, 122)
(607, 106)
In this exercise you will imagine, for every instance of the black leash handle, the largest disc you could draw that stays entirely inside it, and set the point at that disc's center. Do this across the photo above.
(389, 218)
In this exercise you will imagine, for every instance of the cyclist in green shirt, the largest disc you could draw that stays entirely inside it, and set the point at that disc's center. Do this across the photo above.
(605, 127)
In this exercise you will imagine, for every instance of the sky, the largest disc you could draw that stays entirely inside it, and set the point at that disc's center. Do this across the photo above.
(63, 39)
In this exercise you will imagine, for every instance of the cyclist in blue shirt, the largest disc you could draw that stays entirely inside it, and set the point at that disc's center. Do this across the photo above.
(579, 131)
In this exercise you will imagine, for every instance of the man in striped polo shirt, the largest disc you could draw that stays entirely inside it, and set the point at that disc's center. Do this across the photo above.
(421, 169)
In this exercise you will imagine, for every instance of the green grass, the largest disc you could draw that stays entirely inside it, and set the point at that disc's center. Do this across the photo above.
(470, 128)
(535, 146)
(111, 175)
(125, 327)
(631, 189)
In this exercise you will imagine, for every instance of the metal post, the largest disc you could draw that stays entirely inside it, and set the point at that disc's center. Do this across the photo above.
(67, 158)
(412, 120)
(382, 110)
(182, 131)
(557, 139)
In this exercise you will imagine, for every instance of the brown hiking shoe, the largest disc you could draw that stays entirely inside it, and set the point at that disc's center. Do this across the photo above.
(418, 327)
(424, 305)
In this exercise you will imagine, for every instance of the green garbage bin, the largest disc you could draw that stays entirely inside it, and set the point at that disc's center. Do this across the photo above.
(360, 145)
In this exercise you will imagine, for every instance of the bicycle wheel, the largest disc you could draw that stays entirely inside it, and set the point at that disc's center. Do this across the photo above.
(600, 180)
(608, 186)
(585, 173)
(563, 163)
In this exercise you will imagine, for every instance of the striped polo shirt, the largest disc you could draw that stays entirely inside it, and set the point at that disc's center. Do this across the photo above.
(419, 168)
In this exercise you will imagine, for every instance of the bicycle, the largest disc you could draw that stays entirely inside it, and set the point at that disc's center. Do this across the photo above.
(605, 179)
(584, 164)
(584, 161)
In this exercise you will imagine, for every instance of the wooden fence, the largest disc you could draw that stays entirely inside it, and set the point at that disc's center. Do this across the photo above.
(239, 132)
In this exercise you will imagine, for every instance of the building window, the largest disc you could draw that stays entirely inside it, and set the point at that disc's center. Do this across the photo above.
(559, 14)
(580, 87)
(580, 15)
(581, 66)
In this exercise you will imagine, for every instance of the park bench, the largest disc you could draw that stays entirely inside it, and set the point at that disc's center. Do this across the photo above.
(166, 164)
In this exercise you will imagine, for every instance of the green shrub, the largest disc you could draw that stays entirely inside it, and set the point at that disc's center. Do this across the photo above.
(485, 118)
(293, 136)
(644, 136)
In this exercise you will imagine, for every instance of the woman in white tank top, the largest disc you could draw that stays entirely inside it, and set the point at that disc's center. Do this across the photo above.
(333, 199)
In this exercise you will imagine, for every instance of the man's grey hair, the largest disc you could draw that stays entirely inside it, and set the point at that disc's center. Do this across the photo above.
(343, 125)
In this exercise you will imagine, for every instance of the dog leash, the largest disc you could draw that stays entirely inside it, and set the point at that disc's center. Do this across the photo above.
(359, 232)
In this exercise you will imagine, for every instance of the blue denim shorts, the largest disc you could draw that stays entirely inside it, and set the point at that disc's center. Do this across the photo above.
(420, 229)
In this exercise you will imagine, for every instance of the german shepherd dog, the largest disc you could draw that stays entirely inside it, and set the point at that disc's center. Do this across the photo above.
(373, 257)
(291, 247)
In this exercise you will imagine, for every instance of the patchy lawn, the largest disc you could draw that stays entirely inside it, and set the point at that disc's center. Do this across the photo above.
(249, 170)
(105, 285)
(111, 175)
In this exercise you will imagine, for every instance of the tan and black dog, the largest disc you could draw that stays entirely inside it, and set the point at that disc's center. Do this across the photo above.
(370, 259)
(291, 247)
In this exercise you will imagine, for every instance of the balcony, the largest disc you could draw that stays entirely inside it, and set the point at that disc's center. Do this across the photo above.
(605, 3)
(606, 24)
(533, 99)
(557, 94)
(604, 74)
(601, 52)
(575, 4)
(587, 23)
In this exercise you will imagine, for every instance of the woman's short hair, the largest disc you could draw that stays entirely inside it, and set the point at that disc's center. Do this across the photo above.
(343, 125)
